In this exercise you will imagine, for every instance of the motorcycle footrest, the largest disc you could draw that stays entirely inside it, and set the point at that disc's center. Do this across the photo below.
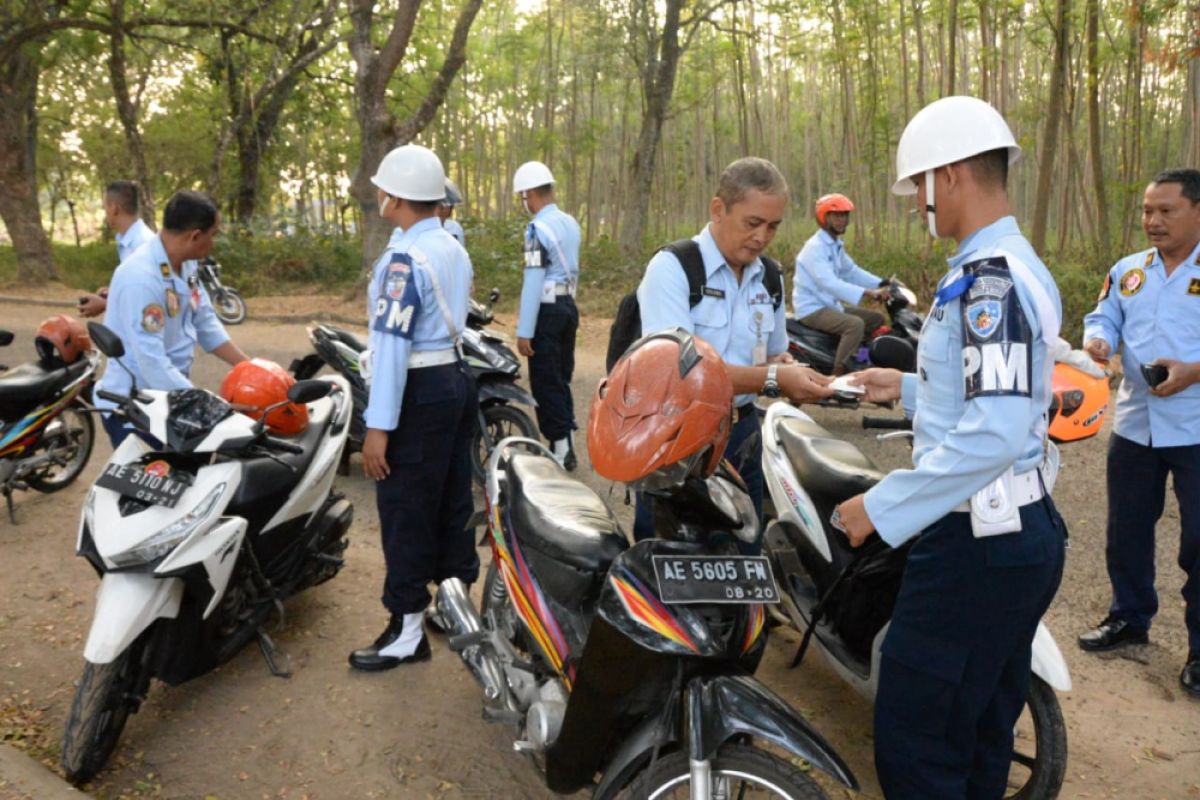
(462, 641)
(506, 715)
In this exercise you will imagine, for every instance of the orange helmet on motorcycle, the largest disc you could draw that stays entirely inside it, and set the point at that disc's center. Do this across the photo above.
(663, 413)
(1077, 405)
(61, 338)
(255, 384)
(832, 202)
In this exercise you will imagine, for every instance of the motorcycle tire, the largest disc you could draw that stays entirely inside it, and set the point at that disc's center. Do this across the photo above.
(739, 767)
(230, 307)
(107, 694)
(502, 421)
(1042, 773)
(74, 431)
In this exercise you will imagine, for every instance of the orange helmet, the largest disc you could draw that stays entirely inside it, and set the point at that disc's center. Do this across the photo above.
(832, 202)
(663, 413)
(258, 383)
(1078, 404)
(61, 338)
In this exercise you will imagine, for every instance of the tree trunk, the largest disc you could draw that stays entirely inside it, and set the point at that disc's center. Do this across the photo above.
(951, 57)
(18, 167)
(127, 111)
(1054, 112)
(1093, 107)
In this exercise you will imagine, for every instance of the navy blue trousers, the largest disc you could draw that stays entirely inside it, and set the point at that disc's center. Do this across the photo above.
(552, 365)
(744, 451)
(1137, 491)
(425, 501)
(954, 673)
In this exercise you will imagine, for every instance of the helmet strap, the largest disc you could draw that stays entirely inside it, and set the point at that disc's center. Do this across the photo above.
(525, 203)
(930, 204)
(383, 206)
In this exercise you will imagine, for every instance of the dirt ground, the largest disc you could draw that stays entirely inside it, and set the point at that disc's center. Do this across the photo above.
(416, 732)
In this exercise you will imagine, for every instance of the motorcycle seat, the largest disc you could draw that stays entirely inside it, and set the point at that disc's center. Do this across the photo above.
(799, 330)
(24, 387)
(349, 339)
(561, 517)
(828, 467)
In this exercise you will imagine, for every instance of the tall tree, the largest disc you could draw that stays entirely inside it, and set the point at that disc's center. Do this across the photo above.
(1093, 107)
(1053, 117)
(379, 129)
(129, 107)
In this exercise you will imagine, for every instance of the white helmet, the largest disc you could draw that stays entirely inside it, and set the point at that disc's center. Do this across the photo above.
(411, 172)
(531, 175)
(946, 131)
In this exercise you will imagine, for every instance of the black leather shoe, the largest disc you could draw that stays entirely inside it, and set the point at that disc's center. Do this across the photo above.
(569, 460)
(434, 622)
(368, 659)
(1189, 679)
(1112, 634)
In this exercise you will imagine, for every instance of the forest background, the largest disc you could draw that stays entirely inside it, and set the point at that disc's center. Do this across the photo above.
(283, 108)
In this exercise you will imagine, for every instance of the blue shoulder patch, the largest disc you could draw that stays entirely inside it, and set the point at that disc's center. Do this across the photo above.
(997, 339)
(399, 299)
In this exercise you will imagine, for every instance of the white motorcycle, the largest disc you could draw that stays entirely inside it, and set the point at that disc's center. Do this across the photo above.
(842, 599)
(197, 542)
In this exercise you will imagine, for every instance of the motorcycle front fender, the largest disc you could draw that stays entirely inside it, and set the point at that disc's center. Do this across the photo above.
(491, 390)
(126, 604)
(1048, 662)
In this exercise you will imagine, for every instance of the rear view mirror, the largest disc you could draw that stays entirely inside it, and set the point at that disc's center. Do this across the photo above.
(105, 340)
(308, 391)
(6, 338)
(494, 295)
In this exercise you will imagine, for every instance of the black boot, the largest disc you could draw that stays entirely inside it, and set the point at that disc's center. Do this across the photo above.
(369, 659)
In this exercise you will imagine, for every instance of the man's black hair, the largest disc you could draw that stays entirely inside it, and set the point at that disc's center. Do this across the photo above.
(1188, 180)
(991, 168)
(424, 206)
(124, 194)
(189, 211)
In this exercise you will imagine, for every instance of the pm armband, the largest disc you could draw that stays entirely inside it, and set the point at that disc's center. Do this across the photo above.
(997, 340)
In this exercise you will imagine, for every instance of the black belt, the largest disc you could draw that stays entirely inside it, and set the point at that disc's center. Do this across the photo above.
(741, 412)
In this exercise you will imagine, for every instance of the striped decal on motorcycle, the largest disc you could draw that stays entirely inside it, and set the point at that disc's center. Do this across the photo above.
(645, 609)
(30, 423)
(756, 617)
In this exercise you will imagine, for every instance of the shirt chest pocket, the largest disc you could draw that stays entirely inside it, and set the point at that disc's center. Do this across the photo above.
(761, 320)
(937, 338)
(710, 312)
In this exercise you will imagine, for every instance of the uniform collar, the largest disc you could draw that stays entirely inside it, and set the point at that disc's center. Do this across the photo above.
(827, 238)
(158, 254)
(130, 232)
(397, 235)
(984, 237)
(546, 210)
(1192, 260)
(713, 260)
(427, 224)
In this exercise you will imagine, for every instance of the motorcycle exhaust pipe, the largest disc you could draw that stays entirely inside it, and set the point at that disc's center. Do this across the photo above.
(467, 637)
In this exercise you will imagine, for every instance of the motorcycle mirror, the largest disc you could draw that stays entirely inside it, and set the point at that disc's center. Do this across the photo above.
(105, 340)
(6, 338)
(494, 295)
(308, 391)
(894, 352)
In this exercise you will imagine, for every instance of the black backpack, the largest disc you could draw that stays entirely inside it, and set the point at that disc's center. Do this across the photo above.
(627, 326)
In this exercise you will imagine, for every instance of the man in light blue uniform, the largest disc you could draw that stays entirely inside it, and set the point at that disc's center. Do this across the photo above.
(548, 319)
(829, 285)
(160, 310)
(736, 313)
(1151, 303)
(445, 212)
(989, 544)
(423, 411)
(122, 214)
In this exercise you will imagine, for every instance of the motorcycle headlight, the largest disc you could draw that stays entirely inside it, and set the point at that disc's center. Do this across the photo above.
(167, 539)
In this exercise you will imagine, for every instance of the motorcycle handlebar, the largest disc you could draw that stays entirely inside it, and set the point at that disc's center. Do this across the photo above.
(119, 399)
(887, 423)
(282, 446)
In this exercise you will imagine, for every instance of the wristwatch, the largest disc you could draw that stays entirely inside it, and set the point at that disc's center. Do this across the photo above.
(770, 387)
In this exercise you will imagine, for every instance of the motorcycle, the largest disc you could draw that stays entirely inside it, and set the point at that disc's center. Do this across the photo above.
(226, 301)
(634, 663)
(46, 432)
(492, 363)
(842, 599)
(894, 346)
(197, 542)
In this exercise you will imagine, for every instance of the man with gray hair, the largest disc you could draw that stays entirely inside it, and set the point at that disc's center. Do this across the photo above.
(121, 214)
(719, 286)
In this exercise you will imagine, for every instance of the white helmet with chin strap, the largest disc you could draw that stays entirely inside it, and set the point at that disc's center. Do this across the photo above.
(944, 132)
(531, 175)
(411, 172)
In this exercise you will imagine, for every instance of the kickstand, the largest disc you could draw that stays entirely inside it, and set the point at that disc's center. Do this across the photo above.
(12, 512)
(270, 652)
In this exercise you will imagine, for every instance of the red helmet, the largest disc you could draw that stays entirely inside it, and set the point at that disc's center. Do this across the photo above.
(663, 413)
(1077, 405)
(255, 384)
(61, 338)
(832, 202)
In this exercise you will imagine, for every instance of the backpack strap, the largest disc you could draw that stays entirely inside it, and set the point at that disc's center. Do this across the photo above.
(688, 253)
(773, 280)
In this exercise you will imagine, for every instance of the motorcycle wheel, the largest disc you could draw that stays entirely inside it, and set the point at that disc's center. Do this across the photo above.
(1039, 776)
(230, 307)
(71, 434)
(106, 695)
(502, 420)
(737, 771)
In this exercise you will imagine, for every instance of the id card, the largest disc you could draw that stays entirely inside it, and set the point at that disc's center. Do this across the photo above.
(549, 291)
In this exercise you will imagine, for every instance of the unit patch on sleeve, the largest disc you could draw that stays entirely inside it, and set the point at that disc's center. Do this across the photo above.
(399, 298)
(996, 335)
(153, 318)
(1132, 282)
(1104, 290)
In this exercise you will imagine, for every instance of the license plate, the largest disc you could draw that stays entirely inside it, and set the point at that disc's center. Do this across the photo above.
(715, 579)
(132, 481)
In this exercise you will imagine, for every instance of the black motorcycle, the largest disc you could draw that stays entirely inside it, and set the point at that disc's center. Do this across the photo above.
(895, 348)
(46, 432)
(227, 302)
(625, 669)
(492, 362)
